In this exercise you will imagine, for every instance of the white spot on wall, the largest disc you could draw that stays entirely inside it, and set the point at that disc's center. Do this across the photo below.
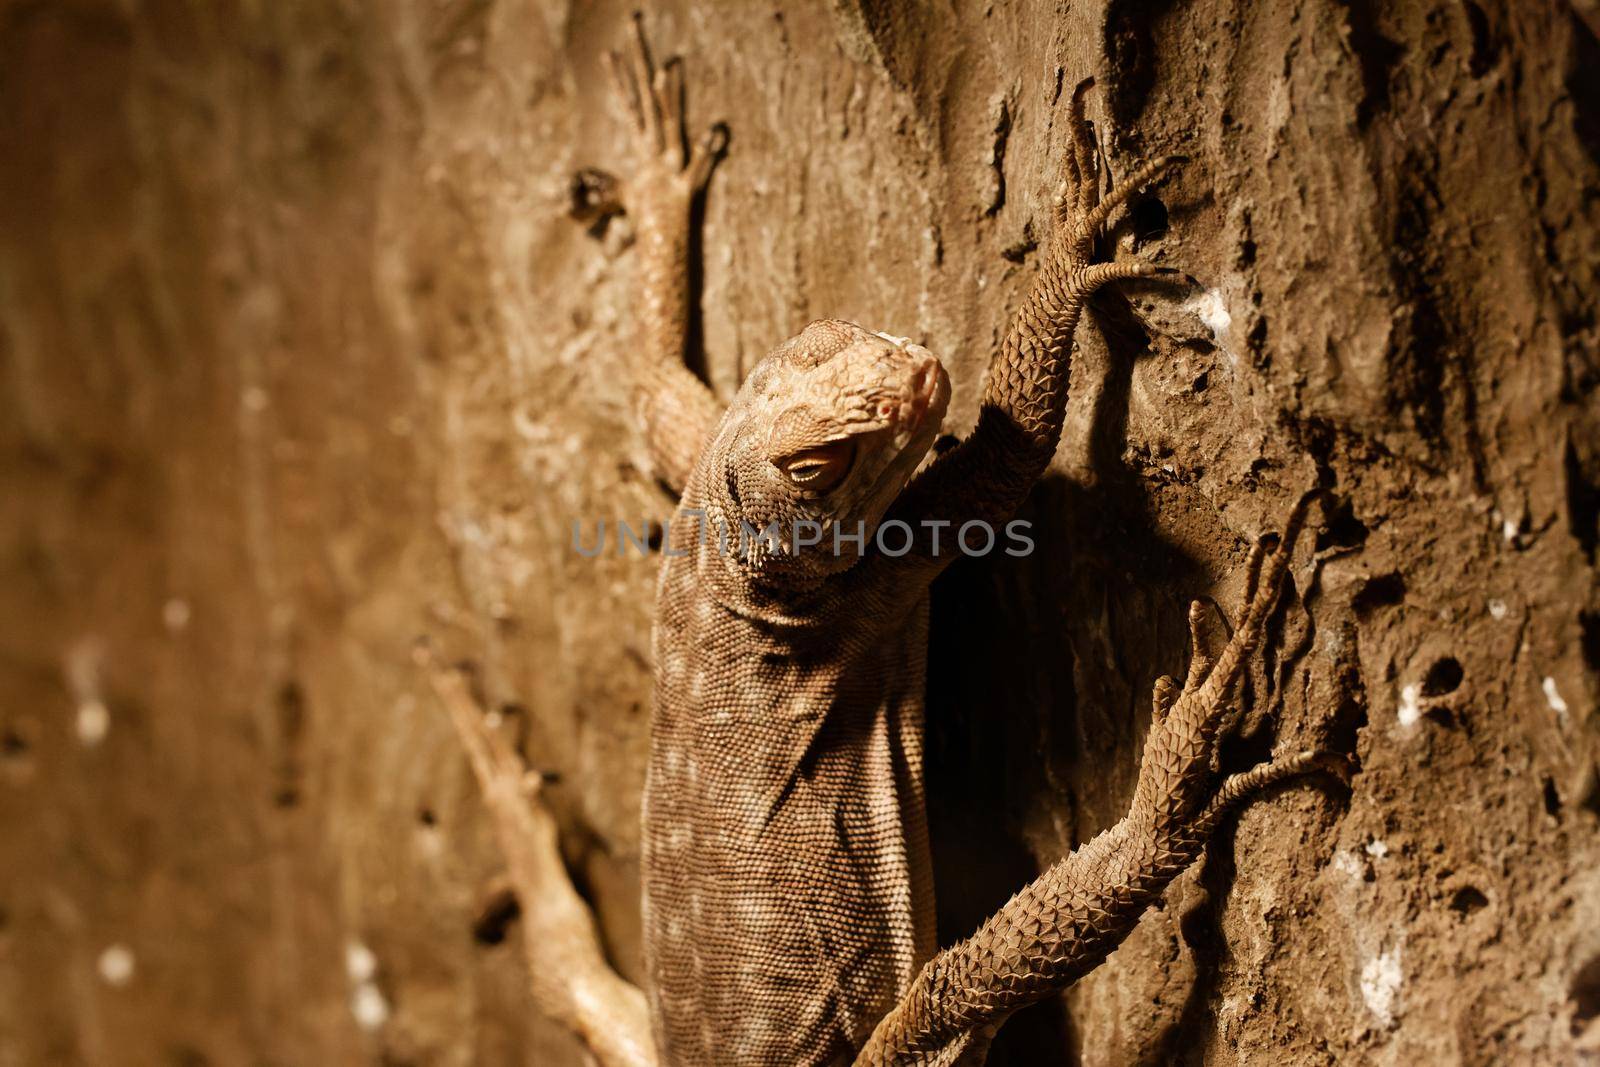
(1381, 979)
(1377, 849)
(175, 614)
(116, 965)
(367, 1003)
(359, 962)
(93, 718)
(1409, 711)
(1509, 530)
(1552, 696)
(369, 1007)
(1497, 609)
(1212, 310)
(94, 721)
(1346, 863)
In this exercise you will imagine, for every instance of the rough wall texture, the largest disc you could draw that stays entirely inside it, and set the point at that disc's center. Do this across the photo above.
(301, 357)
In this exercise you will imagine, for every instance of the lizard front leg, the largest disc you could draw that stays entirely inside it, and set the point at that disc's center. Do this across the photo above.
(1024, 402)
(675, 409)
(1068, 920)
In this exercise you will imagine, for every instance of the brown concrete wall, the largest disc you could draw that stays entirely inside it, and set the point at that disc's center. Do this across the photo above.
(301, 357)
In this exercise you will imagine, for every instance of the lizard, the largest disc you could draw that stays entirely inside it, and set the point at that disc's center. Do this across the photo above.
(787, 891)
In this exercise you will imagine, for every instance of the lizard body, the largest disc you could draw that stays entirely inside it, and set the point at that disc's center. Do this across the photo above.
(787, 890)
(787, 878)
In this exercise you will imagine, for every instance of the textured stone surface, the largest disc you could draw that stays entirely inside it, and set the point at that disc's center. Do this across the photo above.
(301, 357)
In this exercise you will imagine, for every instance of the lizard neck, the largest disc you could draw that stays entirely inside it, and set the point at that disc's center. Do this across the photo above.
(707, 544)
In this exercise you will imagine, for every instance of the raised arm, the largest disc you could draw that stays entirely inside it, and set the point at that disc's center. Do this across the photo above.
(1024, 403)
(1068, 920)
(675, 409)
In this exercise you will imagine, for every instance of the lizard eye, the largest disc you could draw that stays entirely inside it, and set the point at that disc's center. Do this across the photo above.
(820, 469)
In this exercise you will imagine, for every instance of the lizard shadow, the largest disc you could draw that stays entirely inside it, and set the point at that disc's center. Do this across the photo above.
(1020, 774)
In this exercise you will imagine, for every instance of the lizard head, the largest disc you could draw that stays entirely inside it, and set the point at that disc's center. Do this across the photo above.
(825, 433)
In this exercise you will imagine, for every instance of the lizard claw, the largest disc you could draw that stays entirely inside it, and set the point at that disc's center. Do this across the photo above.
(1081, 188)
(713, 146)
(1182, 743)
(1079, 193)
(1080, 212)
(651, 99)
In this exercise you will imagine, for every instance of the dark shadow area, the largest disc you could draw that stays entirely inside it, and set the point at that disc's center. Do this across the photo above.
(1011, 738)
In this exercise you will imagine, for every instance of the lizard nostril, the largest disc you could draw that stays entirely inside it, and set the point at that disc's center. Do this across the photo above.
(920, 380)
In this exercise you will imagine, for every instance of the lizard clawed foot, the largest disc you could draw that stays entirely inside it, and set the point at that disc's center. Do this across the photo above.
(1175, 778)
(1080, 211)
(652, 99)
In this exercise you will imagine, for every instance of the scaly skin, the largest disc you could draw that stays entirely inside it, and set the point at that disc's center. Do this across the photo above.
(1064, 923)
(674, 408)
(788, 898)
(1025, 396)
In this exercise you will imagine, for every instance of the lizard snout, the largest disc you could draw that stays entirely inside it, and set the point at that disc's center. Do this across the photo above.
(923, 385)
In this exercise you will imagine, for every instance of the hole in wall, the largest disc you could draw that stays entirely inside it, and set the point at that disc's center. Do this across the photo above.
(495, 917)
(1380, 591)
(1443, 677)
(1468, 899)
(1343, 529)
(1148, 218)
(1585, 994)
(592, 198)
(1552, 799)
